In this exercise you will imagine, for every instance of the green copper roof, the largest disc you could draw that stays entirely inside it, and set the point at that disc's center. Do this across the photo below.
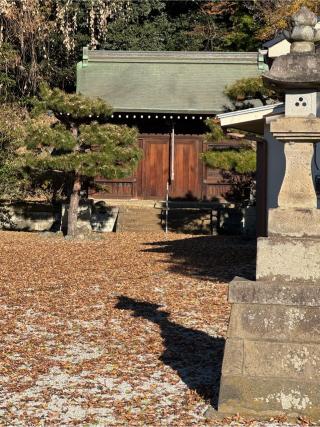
(176, 82)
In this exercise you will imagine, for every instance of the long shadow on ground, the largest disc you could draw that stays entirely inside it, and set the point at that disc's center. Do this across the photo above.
(219, 258)
(194, 355)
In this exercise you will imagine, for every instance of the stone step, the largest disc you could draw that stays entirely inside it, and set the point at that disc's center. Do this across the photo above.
(136, 219)
(139, 229)
(264, 398)
(125, 227)
(150, 219)
(139, 218)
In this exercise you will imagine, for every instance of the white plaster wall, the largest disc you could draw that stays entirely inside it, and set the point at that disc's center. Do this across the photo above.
(281, 48)
(276, 168)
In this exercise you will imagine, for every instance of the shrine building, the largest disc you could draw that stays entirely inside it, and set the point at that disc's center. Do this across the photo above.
(167, 96)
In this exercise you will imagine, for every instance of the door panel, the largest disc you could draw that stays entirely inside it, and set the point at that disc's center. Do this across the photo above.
(155, 166)
(187, 173)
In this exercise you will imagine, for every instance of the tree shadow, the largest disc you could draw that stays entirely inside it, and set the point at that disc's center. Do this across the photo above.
(217, 258)
(194, 355)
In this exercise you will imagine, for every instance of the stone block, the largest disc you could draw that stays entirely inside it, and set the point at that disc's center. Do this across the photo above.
(233, 357)
(275, 322)
(302, 47)
(28, 217)
(302, 33)
(300, 103)
(103, 219)
(288, 259)
(294, 222)
(307, 128)
(304, 16)
(267, 292)
(257, 396)
(282, 360)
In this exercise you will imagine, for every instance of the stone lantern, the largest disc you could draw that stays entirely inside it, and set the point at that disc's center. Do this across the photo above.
(271, 363)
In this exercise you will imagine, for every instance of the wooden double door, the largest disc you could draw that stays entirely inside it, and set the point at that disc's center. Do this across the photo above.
(163, 162)
(177, 162)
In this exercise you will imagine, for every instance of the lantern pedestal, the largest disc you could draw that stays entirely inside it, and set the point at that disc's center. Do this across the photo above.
(271, 364)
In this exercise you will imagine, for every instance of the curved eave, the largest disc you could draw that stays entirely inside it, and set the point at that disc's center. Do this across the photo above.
(250, 120)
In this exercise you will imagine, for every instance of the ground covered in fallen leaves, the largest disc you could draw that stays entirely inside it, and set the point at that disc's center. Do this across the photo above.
(126, 330)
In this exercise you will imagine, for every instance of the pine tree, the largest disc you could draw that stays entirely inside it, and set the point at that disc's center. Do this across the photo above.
(78, 142)
(250, 88)
(240, 159)
(238, 163)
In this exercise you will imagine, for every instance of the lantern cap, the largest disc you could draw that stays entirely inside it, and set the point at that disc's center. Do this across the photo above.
(300, 69)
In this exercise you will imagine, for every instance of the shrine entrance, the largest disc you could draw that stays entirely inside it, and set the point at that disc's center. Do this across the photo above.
(177, 162)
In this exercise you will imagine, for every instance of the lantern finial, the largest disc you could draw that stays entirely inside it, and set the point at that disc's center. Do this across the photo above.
(303, 33)
(300, 69)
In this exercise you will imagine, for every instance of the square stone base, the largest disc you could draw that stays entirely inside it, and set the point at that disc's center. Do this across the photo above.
(294, 222)
(268, 398)
(271, 363)
(289, 259)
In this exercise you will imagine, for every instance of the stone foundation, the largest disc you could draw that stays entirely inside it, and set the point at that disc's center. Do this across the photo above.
(271, 363)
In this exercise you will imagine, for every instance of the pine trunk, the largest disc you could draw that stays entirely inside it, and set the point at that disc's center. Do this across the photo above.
(73, 207)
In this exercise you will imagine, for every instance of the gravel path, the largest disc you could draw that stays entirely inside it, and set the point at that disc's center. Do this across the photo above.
(127, 330)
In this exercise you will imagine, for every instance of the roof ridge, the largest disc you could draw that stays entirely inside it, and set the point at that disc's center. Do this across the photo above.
(103, 53)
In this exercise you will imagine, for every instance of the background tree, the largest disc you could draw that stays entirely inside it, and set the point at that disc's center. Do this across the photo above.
(274, 15)
(157, 25)
(78, 143)
(47, 36)
(15, 182)
(42, 40)
(237, 24)
(245, 24)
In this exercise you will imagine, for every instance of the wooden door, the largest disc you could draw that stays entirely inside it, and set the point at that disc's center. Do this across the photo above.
(155, 166)
(187, 168)
(150, 179)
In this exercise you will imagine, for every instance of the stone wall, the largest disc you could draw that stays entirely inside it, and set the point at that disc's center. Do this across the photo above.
(24, 216)
(101, 217)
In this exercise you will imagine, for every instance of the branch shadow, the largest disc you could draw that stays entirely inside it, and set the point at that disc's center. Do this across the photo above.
(217, 258)
(194, 355)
